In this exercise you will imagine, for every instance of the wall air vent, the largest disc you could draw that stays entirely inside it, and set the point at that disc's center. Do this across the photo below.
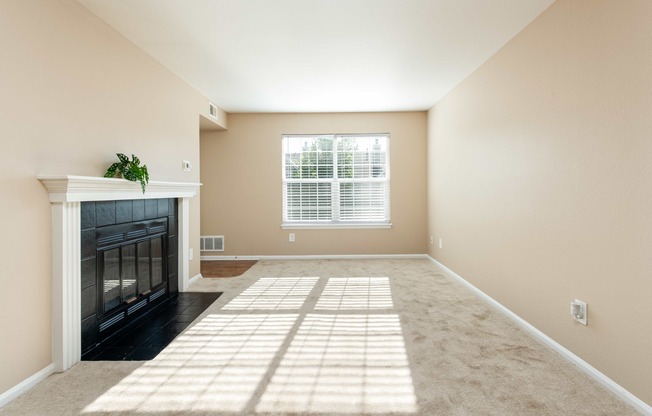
(211, 243)
(212, 110)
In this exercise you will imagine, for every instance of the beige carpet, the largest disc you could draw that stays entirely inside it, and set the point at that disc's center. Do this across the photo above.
(373, 337)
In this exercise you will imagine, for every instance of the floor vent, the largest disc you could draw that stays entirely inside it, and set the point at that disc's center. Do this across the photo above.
(212, 243)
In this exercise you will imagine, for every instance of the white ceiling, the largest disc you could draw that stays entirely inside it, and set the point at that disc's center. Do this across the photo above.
(320, 55)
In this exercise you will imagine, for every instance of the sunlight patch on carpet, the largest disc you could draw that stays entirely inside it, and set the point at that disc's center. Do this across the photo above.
(352, 293)
(274, 293)
(343, 364)
(283, 345)
(215, 365)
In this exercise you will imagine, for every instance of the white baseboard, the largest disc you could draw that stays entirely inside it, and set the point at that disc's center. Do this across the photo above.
(611, 385)
(195, 278)
(321, 257)
(25, 385)
(217, 258)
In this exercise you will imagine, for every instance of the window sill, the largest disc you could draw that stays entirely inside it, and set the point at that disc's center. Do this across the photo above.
(317, 226)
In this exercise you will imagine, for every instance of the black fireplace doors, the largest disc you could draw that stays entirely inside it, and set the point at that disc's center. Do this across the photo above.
(128, 267)
(132, 268)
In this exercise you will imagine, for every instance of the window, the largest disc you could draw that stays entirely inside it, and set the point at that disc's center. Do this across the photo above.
(336, 180)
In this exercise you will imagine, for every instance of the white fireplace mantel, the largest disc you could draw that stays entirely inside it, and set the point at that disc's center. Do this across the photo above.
(70, 188)
(65, 194)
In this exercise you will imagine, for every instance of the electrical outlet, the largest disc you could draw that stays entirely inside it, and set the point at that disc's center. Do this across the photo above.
(191, 254)
(579, 311)
(186, 165)
(432, 240)
(441, 243)
(292, 238)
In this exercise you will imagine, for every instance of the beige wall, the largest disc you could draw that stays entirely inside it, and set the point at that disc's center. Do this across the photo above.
(540, 169)
(74, 93)
(241, 192)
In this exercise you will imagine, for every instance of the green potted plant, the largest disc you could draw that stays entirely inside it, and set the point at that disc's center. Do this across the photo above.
(129, 170)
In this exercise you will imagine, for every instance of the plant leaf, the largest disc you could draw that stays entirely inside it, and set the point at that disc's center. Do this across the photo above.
(129, 170)
(111, 171)
(145, 174)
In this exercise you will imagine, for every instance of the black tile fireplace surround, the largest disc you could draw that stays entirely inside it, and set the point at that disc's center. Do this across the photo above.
(129, 265)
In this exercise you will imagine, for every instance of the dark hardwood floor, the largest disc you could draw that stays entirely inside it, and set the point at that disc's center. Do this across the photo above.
(155, 333)
(225, 268)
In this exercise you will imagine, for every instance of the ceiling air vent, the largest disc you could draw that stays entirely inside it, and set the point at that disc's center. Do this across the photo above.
(211, 243)
(212, 110)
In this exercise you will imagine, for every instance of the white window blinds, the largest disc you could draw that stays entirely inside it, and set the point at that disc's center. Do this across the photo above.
(336, 179)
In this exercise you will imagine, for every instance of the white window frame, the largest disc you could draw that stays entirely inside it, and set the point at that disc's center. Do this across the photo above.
(335, 222)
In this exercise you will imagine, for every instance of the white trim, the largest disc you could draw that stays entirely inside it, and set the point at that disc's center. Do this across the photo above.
(66, 284)
(212, 258)
(72, 188)
(319, 257)
(307, 226)
(183, 255)
(25, 385)
(194, 279)
(335, 181)
(611, 385)
(65, 194)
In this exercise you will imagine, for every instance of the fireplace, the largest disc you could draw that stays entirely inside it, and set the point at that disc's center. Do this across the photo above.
(66, 194)
(128, 264)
